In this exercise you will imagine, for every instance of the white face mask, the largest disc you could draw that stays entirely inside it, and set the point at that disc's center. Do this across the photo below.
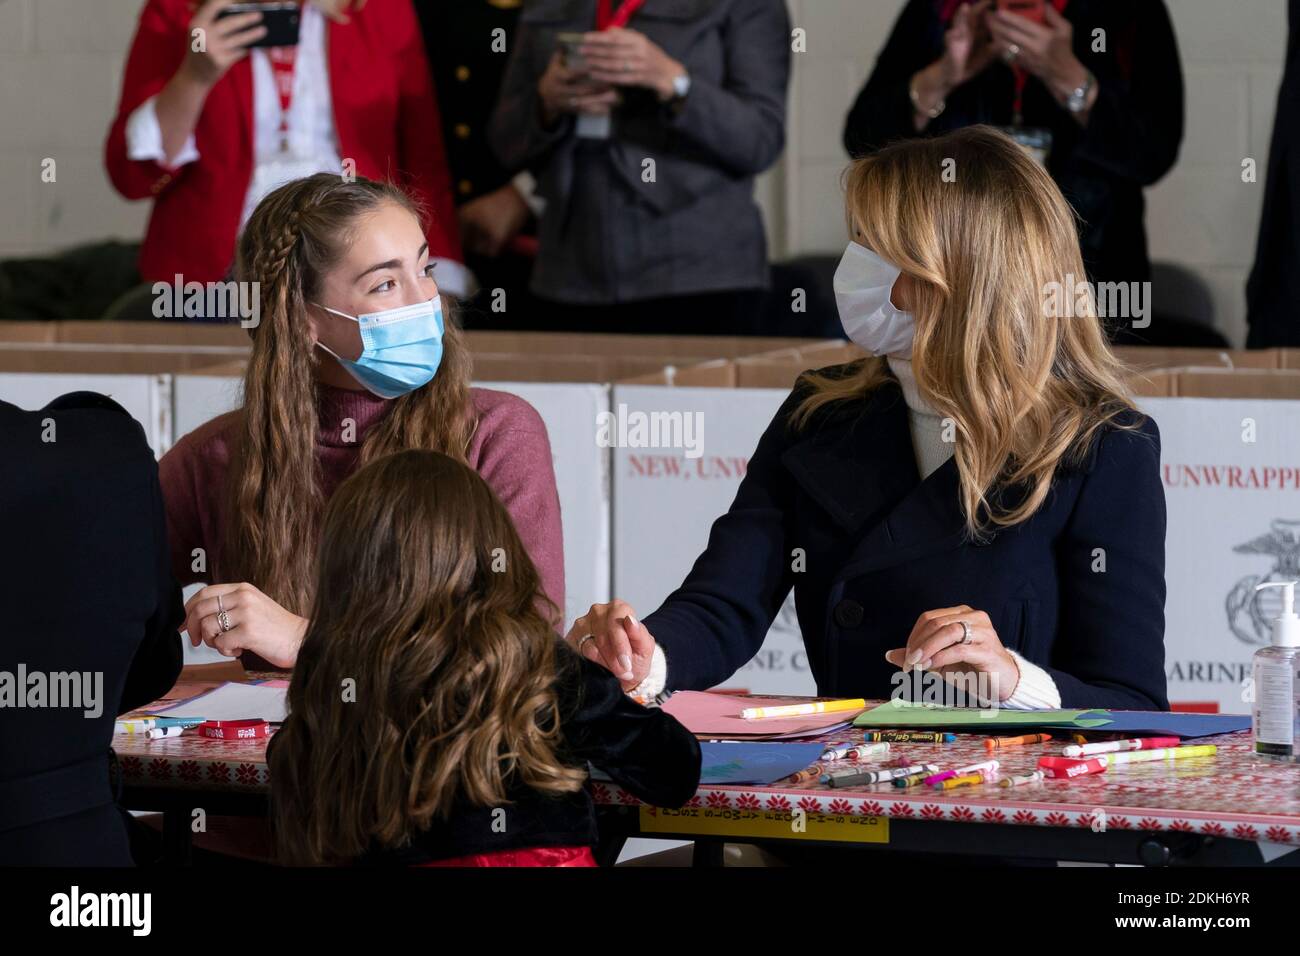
(863, 283)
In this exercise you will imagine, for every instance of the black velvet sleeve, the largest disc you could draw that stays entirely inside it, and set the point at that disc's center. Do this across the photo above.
(157, 662)
(643, 749)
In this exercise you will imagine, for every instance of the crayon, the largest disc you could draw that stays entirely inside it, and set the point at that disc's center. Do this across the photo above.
(965, 780)
(989, 766)
(911, 780)
(807, 775)
(997, 743)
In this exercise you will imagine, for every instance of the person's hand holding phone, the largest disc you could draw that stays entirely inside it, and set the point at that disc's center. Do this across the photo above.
(563, 90)
(622, 57)
(1044, 49)
(215, 45)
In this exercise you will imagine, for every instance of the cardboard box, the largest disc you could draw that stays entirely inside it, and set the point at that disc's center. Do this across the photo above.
(111, 359)
(1150, 357)
(147, 398)
(678, 347)
(176, 335)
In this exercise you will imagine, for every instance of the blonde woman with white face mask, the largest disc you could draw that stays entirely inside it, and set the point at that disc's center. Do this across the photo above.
(978, 501)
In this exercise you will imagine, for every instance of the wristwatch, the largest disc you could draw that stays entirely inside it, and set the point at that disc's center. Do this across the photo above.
(1077, 101)
(681, 86)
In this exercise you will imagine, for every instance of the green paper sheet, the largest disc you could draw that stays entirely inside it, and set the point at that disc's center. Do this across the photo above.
(901, 713)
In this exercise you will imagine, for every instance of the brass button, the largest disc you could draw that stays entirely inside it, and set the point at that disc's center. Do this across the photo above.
(462, 131)
(462, 73)
(465, 187)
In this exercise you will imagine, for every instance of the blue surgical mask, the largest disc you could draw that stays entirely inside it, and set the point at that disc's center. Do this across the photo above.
(863, 283)
(401, 348)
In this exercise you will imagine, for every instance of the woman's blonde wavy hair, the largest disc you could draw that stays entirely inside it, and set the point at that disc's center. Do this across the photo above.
(1026, 387)
(426, 599)
(274, 494)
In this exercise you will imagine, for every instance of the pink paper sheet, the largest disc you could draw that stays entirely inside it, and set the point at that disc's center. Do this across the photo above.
(718, 715)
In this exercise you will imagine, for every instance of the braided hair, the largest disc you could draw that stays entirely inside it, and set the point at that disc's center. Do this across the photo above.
(274, 495)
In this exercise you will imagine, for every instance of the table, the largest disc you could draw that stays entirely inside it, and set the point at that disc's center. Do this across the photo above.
(1204, 811)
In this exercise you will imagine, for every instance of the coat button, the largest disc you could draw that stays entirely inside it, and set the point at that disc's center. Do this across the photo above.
(848, 614)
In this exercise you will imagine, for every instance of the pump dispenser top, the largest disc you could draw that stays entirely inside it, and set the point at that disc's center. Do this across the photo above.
(1286, 626)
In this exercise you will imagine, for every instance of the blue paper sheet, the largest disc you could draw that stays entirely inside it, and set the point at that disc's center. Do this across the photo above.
(1158, 724)
(756, 763)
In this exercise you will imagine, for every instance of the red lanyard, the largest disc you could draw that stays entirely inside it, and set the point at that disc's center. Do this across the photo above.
(1022, 76)
(283, 61)
(606, 17)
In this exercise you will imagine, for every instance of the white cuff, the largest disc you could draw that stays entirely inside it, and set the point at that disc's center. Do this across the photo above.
(144, 138)
(454, 278)
(526, 185)
(653, 684)
(1035, 690)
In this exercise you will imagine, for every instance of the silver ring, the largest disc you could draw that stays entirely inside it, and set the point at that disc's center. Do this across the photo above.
(582, 643)
(220, 606)
(965, 633)
(1011, 52)
(223, 621)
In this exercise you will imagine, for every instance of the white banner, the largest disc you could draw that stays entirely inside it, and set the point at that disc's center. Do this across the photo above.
(666, 498)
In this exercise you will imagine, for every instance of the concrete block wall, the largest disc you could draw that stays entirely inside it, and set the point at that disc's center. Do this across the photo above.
(61, 63)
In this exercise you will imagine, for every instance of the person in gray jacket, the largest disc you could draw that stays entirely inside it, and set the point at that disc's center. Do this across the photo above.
(645, 123)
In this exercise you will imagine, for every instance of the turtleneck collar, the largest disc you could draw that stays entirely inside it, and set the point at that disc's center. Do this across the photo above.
(338, 406)
(902, 369)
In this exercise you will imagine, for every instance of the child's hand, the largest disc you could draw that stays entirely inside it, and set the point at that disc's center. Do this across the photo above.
(233, 618)
(610, 635)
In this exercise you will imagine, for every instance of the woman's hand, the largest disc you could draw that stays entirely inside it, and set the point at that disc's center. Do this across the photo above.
(623, 57)
(256, 623)
(968, 49)
(1046, 50)
(610, 635)
(492, 220)
(224, 42)
(936, 645)
(563, 90)
(967, 45)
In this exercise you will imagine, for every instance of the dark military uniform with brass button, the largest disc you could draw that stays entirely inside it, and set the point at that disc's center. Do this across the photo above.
(468, 64)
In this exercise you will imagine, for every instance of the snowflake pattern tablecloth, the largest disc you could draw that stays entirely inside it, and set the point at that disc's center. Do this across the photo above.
(1233, 794)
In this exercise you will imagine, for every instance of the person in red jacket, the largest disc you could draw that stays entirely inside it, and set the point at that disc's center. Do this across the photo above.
(208, 125)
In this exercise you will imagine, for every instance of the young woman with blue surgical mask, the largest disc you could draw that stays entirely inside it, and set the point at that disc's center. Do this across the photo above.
(353, 357)
(976, 506)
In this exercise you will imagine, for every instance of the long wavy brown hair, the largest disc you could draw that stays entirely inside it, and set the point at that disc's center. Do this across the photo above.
(427, 675)
(989, 251)
(274, 497)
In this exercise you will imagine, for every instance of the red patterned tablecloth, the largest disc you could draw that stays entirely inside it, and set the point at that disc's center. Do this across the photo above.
(1234, 794)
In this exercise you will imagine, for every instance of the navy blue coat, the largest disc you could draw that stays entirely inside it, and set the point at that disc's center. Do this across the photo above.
(1078, 589)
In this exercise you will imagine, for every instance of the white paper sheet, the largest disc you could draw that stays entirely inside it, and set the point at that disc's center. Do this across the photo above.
(233, 701)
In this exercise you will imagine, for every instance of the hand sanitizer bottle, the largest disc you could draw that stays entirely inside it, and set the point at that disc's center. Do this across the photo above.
(1277, 683)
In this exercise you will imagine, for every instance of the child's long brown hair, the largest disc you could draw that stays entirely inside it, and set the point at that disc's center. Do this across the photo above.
(427, 675)
(274, 498)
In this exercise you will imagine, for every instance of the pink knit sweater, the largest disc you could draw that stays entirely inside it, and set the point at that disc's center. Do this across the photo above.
(510, 450)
